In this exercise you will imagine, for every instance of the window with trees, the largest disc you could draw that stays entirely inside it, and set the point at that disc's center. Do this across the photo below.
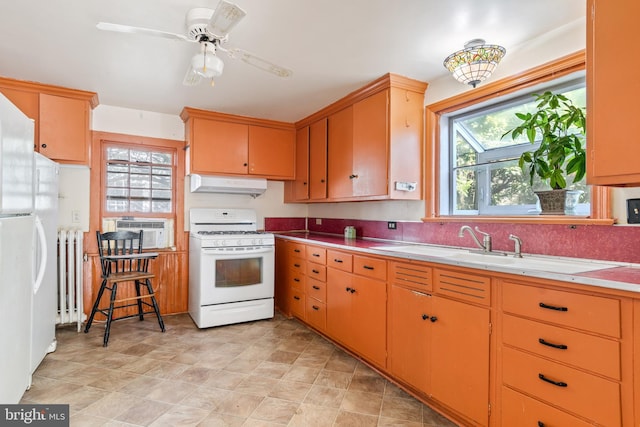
(484, 176)
(138, 180)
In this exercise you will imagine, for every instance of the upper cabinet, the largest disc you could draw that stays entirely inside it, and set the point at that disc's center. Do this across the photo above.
(62, 118)
(611, 99)
(224, 144)
(368, 145)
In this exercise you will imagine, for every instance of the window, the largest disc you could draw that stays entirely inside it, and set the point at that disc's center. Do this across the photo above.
(138, 180)
(484, 176)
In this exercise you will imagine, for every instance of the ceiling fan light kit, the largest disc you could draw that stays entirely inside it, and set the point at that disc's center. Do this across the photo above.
(475, 63)
(211, 29)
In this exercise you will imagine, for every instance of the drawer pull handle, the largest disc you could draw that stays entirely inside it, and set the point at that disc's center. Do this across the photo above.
(315, 307)
(556, 383)
(348, 289)
(551, 307)
(425, 317)
(367, 267)
(296, 251)
(352, 290)
(296, 280)
(316, 255)
(316, 287)
(433, 319)
(338, 260)
(296, 265)
(315, 271)
(296, 298)
(540, 424)
(549, 344)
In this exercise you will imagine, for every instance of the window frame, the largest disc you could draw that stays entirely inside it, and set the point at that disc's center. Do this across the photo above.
(489, 157)
(149, 148)
(435, 171)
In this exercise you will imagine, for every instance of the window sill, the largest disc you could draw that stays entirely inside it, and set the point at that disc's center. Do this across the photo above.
(524, 219)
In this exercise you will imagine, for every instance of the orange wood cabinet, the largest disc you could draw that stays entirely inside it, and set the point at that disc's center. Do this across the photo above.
(316, 288)
(563, 356)
(356, 310)
(235, 145)
(373, 141)
(611, 107)
(62, 118)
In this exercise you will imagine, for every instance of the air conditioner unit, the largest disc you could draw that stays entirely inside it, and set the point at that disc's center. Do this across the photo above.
(156, 233)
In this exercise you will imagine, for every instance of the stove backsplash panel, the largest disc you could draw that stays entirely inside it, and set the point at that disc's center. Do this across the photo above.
(609, 243)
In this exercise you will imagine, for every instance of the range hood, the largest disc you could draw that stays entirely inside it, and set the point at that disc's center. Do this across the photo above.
(226, 184)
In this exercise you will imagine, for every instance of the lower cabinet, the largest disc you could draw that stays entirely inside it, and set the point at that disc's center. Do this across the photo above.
(440, 346)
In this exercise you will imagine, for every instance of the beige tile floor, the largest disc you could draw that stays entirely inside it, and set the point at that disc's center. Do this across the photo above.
(266, 373)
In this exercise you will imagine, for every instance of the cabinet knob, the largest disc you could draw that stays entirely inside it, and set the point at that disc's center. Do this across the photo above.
(353, 176)
(425, 316)
(245, 164)
(433, 319)
(348, 289)
(322, 181)
(304, 183)
(44, 145)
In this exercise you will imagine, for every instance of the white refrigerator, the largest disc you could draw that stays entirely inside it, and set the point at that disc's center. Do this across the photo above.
(24, 256)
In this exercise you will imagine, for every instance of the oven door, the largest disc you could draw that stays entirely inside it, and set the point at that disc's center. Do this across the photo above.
(236, 274)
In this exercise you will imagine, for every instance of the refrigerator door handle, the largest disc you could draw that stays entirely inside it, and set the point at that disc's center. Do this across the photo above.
(43, 262)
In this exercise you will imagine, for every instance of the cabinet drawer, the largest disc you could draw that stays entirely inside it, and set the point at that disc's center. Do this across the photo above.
(298, 265)
(588, 312)
(317, 255)
(297, 305)
(297, 250)
(370, 267)
(297, 281)
(596, 354)
(520, 410)
(590, 396)
(316, 314)
(317, 271)
(415, 276)
(316, 289)
(468, 287)
(340, 260)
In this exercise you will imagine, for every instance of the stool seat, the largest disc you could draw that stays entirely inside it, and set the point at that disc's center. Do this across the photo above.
(122, 261)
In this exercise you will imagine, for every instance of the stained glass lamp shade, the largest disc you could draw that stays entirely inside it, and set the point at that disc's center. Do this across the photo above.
(475, 63)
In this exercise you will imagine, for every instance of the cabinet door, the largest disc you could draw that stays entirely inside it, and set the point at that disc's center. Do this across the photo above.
(64, 129)
(408, 338)
(339, 299)
(272, 152)
(460, 357)
(340, 153)
(370, 145)
(301, 183)
(613, 150)
(318, 160)
(219, 147)
(369, 319)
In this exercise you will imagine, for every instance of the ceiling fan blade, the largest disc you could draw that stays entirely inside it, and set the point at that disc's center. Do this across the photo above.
(258, 62)
(191, 78)
(225, 17)
(119, 28)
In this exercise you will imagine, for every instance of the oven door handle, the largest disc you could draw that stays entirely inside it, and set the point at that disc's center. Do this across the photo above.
(214, 251)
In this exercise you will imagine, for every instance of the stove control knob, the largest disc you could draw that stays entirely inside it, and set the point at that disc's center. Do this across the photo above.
(222, 243)
(259, 241)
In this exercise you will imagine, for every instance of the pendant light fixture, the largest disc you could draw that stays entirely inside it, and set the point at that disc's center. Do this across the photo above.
(475, 63)
(206, 63)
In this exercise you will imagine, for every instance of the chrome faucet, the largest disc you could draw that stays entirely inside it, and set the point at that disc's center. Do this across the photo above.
(486, 238)
(518, 245)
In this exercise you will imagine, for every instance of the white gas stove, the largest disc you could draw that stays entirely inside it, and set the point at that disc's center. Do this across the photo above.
(231, 267)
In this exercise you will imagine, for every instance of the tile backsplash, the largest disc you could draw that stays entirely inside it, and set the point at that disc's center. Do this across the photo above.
(609, 243)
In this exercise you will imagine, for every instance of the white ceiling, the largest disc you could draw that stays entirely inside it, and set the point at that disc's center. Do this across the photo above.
(332, 46)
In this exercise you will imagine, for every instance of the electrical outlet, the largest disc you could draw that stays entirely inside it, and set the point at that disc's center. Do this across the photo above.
(391, 225)
(318, 221)
(633, 211)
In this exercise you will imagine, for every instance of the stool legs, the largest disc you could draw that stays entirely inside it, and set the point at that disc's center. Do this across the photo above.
(103, 285)
(155, 304)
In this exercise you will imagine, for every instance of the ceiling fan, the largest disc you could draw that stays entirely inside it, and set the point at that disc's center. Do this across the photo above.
(210, 28)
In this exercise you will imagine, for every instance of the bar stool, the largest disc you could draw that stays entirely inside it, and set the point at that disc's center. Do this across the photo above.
(123, 261)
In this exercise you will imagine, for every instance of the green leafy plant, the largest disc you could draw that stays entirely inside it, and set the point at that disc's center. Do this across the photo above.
(559, 125)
